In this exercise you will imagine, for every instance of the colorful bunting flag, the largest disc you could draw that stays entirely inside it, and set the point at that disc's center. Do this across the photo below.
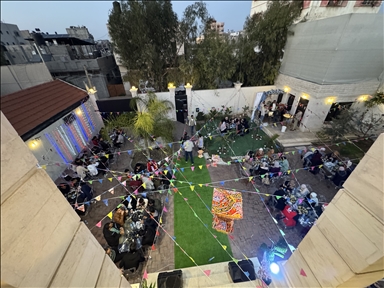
(105, 202)
(165, 209)
(98, 224)
(81, 208)
(207, 272)
(110, 215)
(98, 198)
(112, 190)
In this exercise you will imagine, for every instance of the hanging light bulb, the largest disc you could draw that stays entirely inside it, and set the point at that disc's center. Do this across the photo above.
(257, 49)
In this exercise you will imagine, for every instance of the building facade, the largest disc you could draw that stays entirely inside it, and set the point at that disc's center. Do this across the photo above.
(68, 58)
(331, 62)
(315, 10)
(80, 32)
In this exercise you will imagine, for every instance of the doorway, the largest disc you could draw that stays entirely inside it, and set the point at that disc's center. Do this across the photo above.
(181, 108)
(291, 99)
(303, 103)
(336, 108)
(280, 98)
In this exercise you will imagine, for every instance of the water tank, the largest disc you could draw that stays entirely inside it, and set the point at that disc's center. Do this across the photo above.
(39, 39)
(116, 7)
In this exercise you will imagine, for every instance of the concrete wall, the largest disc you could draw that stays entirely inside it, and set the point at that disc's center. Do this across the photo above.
(345, 248)
(98, 80)
(72, 65)
(17, 77)
(43, 242)
(47, 155)
(205, 100)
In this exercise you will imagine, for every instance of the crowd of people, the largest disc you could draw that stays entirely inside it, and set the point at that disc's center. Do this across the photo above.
(239, 125)
(132, 230)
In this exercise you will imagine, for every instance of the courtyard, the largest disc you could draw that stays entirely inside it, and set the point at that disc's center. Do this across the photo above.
(186, 237)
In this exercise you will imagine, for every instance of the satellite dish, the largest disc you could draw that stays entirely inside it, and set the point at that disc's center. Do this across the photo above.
(257, 49)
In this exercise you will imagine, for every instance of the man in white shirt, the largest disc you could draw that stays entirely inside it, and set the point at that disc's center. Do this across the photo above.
(191, 123)
(262, 113)
(188, 147)
(92, 169)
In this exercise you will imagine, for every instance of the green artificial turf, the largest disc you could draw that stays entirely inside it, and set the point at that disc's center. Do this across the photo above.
(191, 234)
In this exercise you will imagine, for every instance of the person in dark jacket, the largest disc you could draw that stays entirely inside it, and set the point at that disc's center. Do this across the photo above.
(112, 232)
(148, 236)
(114, 254)
(156, 203)
(340, 176)
(132, 259)
(280, 203)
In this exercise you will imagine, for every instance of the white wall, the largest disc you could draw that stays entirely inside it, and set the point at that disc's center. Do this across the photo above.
(258, 6)
(315, 12)
(205, 100)
(46, 154)
(18, 77)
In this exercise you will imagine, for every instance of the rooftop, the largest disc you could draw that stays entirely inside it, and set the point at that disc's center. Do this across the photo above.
(31, 108)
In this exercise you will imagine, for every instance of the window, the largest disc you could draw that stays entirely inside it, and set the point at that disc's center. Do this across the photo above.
(336, 3)
(13, 43)
(369, 3)
(7, 43)
(16, 34)
(7, 32)
(1, 32)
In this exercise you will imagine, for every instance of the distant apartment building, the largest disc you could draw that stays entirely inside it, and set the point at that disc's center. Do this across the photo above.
(315, 10)
(217, 26)
(68, 58)
(80, 32)
(104, 46)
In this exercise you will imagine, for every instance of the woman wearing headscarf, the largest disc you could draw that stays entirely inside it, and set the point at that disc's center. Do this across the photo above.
(303, 191)
(316, 161)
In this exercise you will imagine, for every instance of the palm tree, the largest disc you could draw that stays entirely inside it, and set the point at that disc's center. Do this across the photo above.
(149, 119)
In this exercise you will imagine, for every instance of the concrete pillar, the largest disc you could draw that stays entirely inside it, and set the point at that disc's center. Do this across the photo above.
(238, 87)
(285, 98)
(92, 98)
(315, 114)
(294, 105)
(172, 93)
(188, 91)
(346, 246)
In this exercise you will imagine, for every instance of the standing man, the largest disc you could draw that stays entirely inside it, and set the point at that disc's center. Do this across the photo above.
(262, 113)
(188, 147)
(296, 120)
(191, 123)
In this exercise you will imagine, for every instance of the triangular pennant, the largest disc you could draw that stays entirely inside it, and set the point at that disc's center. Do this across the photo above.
(98, 198)
(81, 208)
(98, 224)
(278, 197)
(165, 209)
(201, 166)
(144, 186)
(193, 168)
(101, 181)
(110, 215)
(224, 247)
(107, 156)
(207, 272)
(124, 183)
(119, 178)
(153, 247)
(145, 275)
(157, 233)
(110, 179)
(201, 185)
(90, 182)
(112, 190)
(185, 199)
(250, 178)
(302, 272)
(231, 236)
(222, 183)
(235, 260)
(192, 187)
(105, 202)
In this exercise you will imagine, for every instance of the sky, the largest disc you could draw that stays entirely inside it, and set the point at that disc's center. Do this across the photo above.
(55, 16)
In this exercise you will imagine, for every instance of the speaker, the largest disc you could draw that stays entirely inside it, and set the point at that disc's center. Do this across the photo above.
(172, 279)
(237, 275)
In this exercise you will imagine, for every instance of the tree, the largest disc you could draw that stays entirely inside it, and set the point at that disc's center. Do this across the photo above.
(340, 126)
(211, 61)
(261, 46)
(144, 36)
(375, 100)
(367, 122)
(149, 120)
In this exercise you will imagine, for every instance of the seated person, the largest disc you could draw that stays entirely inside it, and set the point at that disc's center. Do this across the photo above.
(276, 168)
(151, 166)
(281, 202)
(307, 157)
(156, 203)
(131, 259)
(270, 153)
(120, 215)
(86, 192)
(332, 157)
(92, 168)
(139, 168)
(151, 217)
(232, 125)
(64, 188)
(245, 124)
(95, 141)
(340, 176)
(141, 203)
(148, 183)
(131, 204)
(104, 145)
(223, 127)
(303, 191)
(239, 128)
(263, 169)
(81, 171)
(350, 167)
(148, 235)
(312, 199)
(114, 254)
(284, 164)
(260, 153)
(112, 232)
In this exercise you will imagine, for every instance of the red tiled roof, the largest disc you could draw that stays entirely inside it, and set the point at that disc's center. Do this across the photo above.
(31, 107)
